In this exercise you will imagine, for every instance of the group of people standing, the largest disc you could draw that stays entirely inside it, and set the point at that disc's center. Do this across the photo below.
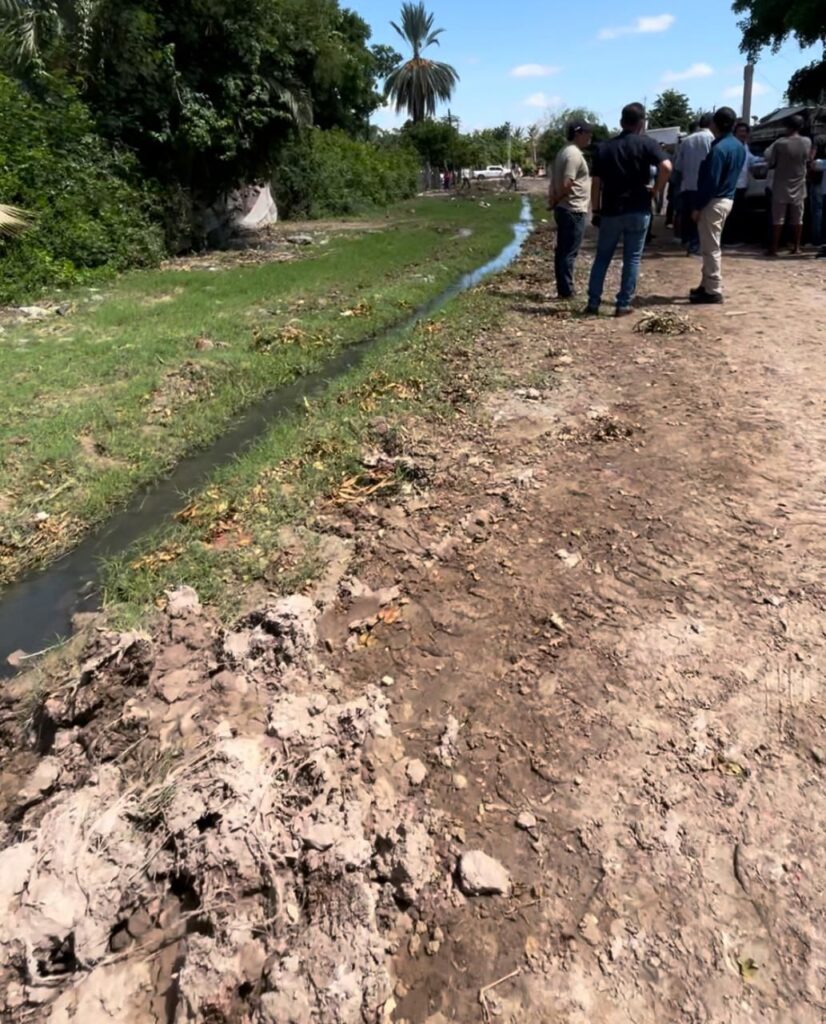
(792, 168)
(629, 177)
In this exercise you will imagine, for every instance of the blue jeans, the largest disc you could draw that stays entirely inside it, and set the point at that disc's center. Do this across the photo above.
(570, 229)
(632, 229)
(816, 212)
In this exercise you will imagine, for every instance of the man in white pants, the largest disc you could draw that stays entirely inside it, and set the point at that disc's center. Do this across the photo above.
(715, 198)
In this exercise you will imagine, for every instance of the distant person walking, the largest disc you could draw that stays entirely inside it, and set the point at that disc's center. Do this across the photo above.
(514, 174)
(690, 157)
(714, 201)
(621, 193)
(569, 198)
(789, 159)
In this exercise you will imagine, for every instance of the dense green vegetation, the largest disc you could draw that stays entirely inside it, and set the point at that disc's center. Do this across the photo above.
(122, 115)
(87, 213)
(327, 174)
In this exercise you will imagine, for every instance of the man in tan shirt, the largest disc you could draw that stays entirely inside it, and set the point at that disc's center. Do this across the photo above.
(789, 159)
(569, 199)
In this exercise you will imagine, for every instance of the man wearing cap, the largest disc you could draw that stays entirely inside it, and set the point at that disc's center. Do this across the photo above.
(621, 194)
(569, 198)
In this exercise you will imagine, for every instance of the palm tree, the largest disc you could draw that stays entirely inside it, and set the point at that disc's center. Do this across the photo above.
(29, 29)
(419, 84)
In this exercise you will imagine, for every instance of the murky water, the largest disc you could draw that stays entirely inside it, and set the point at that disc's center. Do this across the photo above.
(38, 610)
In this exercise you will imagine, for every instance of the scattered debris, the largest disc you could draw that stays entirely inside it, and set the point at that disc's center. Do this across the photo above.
(665, 322)
(447, 751)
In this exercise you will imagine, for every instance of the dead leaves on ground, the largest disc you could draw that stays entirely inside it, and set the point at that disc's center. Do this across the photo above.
(221, 519)
(380, 385)
(359, 310)
(369, 483)
(665, 322)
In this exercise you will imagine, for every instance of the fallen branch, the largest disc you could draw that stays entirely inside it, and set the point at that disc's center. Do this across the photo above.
(483, 992)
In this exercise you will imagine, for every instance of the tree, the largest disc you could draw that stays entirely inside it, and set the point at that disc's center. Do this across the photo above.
(534, 134)
(672, 109)
(205, 92)
(436, 142)
(554, 137)
(768, 23)
(809, 84)
(58, 30)
(771, 22)
(419, 84)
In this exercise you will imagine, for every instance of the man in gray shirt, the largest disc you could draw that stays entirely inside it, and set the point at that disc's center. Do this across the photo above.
(690, 157)
(569, 198)
(789, 159)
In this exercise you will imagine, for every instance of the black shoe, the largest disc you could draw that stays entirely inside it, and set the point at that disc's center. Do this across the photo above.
(821, 254)
(704, 298)
(591, 311)
(697, 291)
(623, 311)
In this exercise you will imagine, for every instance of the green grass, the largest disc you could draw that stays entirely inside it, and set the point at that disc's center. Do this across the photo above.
(301, 465)
(98, 404)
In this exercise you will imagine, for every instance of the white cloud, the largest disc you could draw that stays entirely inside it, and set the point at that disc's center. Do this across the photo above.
(542, 101)
(735, 92)
(642, 26)
(695, 71)
(535, 71)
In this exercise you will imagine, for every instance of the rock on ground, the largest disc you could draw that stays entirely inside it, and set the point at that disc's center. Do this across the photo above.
(482, 875)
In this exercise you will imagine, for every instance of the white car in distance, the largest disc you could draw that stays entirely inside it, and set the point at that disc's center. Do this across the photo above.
(491, 171)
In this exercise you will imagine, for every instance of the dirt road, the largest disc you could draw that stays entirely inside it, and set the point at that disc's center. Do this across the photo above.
(598, 621)
(631, 634)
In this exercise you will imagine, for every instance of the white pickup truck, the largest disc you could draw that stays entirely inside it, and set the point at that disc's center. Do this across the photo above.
(491, 171)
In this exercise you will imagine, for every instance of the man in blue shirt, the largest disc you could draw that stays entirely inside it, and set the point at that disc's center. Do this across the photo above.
(628, 172)
(716, 187)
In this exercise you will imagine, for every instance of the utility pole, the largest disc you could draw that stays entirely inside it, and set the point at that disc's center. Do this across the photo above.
(748, 91)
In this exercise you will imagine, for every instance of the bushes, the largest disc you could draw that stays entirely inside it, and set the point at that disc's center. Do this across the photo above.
(88, 216)
(327, 174)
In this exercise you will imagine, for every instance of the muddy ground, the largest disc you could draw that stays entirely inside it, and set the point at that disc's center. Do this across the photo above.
(587, 642)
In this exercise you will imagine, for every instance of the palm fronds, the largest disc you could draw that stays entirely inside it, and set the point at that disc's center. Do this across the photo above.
(419, 84)
(12, 220)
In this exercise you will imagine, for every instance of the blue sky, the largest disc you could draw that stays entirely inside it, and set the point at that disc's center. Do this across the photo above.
(518, 59)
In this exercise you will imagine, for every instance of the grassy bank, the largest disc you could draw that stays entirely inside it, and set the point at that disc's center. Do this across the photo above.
(232, 532)
(97, 404)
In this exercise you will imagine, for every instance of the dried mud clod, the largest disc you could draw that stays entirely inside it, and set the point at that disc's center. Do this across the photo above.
(238, 846)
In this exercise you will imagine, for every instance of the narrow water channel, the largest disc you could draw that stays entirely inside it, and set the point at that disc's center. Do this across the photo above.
(37, 611)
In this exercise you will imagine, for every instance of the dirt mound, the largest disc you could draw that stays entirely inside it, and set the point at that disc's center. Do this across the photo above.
(212, 834)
